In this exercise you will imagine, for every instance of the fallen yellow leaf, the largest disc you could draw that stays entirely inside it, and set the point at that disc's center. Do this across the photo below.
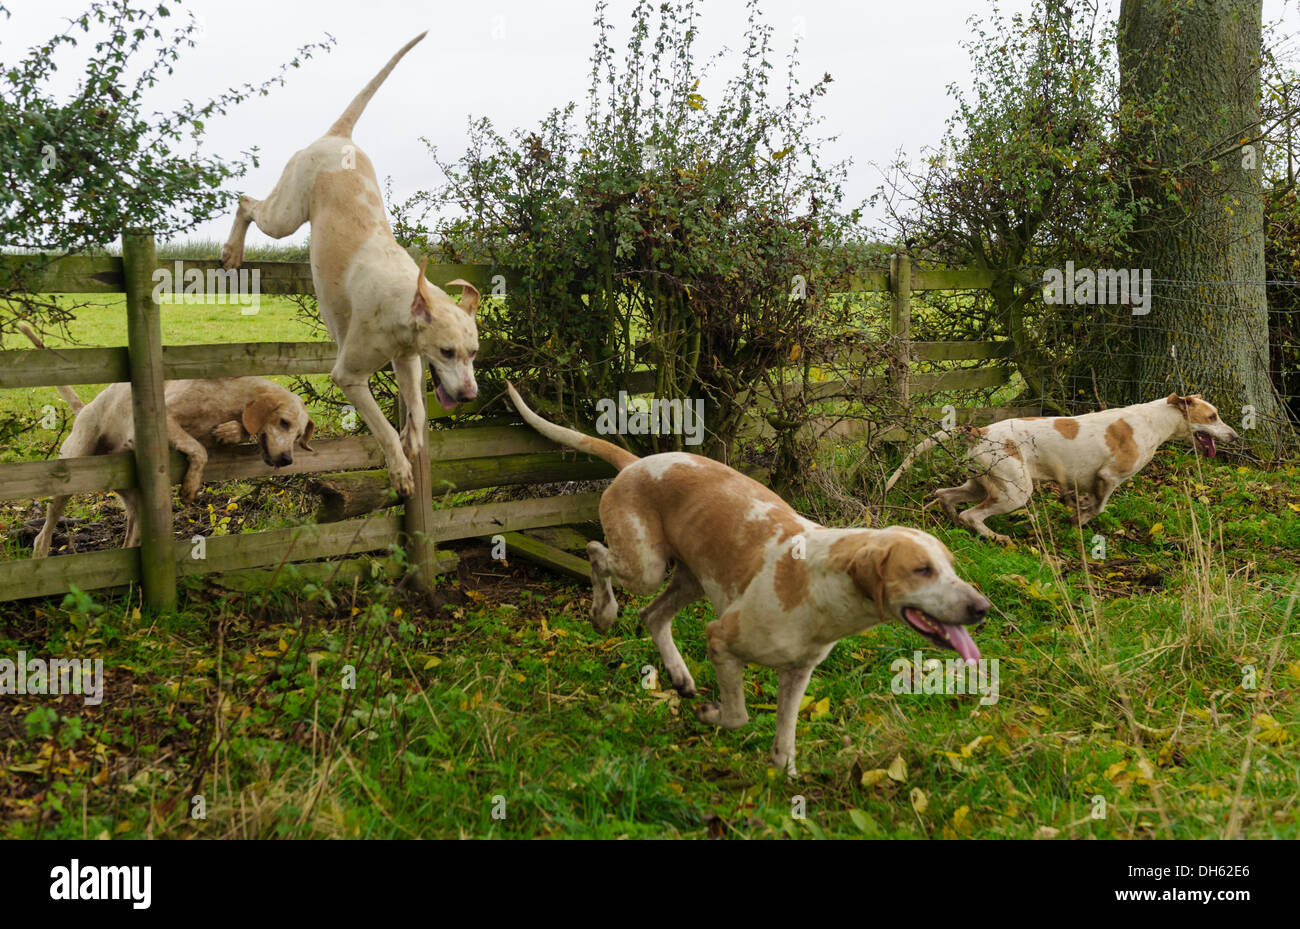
(873, 777)
(898, 769)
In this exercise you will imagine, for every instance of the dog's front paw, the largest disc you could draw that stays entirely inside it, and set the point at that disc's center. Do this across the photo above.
(190, 491)
(231, 433)
(402, 477)
(604, 612)
(686, 687)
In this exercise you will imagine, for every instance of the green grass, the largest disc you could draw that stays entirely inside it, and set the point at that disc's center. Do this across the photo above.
(1131, 684)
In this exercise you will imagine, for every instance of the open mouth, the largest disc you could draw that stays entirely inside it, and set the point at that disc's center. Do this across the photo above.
(1204, 443)
(945, 635)
(444, 399)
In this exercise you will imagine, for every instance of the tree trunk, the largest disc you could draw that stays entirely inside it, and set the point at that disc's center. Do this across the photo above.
(1194, 65)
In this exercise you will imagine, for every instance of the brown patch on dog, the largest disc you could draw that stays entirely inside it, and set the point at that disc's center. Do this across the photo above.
(791, 580)
(1200, 413)
(702, 511)
(1119, 439)
(731, 627)
(1066, 427)
(863, 558)
(1012, 448)
(1029, 418)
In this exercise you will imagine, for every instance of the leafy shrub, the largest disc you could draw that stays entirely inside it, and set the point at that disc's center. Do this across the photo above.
(670, 229)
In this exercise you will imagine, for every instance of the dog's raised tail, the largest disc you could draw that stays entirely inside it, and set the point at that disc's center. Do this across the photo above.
(618, 457)
(914, 454)
(67, 393)
(343, 125)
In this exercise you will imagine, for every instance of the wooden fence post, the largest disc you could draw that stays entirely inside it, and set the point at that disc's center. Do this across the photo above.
(417, 510)
(900, 323)
(152, 453)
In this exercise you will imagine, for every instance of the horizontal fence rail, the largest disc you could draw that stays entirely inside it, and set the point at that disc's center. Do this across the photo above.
(100, 473)
(105, 275)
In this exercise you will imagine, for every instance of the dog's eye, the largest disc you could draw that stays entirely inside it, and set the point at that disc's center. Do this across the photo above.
(1213, 417)
(448, 353)
(925, 570)
(284, 424)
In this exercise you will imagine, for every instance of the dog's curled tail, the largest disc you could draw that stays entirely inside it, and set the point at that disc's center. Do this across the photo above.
(618, 457)
(343, 125)
(913, 455)
(67, 393)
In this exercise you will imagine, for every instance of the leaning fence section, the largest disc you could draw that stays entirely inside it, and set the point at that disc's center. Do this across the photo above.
(466, 458)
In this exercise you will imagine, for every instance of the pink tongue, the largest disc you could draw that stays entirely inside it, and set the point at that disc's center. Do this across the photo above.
(960, 639)
(444, 399)
(1213, 448)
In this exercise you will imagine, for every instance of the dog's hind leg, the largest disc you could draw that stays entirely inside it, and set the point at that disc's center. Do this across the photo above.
(970, 492)
(282, 213)
(41, 547)
(604, 605)
(638, 569)
(1008, 490)
(131, 505)
(682, 589)
(1105, 485)
(83, 440)
(636, 559)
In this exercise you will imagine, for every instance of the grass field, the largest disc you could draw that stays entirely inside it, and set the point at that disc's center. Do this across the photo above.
(1152, 690)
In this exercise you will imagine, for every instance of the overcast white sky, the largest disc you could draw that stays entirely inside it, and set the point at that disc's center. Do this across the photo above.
(514, 60)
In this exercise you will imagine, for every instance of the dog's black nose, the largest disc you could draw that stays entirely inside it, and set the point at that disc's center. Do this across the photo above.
(284, 461)
(977, 609)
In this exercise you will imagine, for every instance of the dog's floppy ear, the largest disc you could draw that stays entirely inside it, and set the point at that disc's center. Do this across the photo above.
(867, 569)
(257, 412)
(469, 295)
(422, 303)
(1181, 402)
(305, 442)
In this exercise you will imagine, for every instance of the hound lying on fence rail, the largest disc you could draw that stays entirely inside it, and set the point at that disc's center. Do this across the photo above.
(201, 414)
(1088, 456)
(784, 588)
(376, 303)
